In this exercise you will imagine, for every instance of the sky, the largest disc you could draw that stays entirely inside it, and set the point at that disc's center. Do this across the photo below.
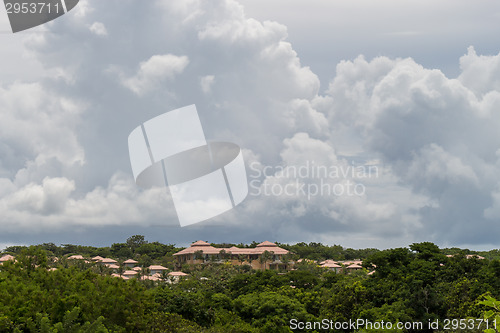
(362, 123)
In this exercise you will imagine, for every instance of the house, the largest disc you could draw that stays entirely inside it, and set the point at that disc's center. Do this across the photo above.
(263, 256)
(129, 274)
(174, 277)
(76, 257)
(97, 258)
(113, 267)
(108, 261)
(130, 263)
(331, 265)
(5, 258)
(156, 269)
(353, 267)
(468, 256)
(306, 261)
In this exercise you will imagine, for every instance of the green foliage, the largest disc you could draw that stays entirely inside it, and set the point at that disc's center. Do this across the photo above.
(270, 311)
(492, 314)
(418, 283)
(31, 298)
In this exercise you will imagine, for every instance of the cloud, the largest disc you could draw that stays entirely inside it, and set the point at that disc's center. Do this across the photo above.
(433, 140)
(206, 83)
(153, 72)
(52, 206)
(37, 128)
(425, 127)
(99, 29)
(480, 73)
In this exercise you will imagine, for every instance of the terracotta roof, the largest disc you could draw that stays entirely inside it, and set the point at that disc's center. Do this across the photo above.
(113, 266)
(200, 243)
(236, 250)
(177, 274)
(157, 268)
(208, 249)
(76, 256)
(108, 261)
(275, 249)
(267, 244)
(6, 257)
(468, 256)
(137, 269)
(199, 246)
(118, 275)
(331, 265)
(305, 260)
(129, 272)
(328, 261)
(130, 261)
(97, 258)
(353, 266)
(474, 256)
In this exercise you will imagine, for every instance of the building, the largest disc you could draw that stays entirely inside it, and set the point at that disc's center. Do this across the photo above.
(174, 277)
(266, 255)
(76, 257)
(157, 269)
(108, 261)
(5, 258)
(331, 265)
(130, 263)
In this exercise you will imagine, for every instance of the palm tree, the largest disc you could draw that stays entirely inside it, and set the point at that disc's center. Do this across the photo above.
(144, 271)
(198, 255)
(241, 258)
(264, 258)
(223, 254)
(285, 259)
(120, 269)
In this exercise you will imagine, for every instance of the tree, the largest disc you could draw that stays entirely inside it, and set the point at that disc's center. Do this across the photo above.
(265, 257)
(492, 313)
(198, 255)
(270, 311)
(223, 255)
(135, 241)
(242, 258)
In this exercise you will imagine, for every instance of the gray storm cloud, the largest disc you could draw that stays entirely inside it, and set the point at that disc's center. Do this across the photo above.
(434, 139)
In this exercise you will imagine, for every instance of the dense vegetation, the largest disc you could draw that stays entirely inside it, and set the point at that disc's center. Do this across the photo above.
(415, 284)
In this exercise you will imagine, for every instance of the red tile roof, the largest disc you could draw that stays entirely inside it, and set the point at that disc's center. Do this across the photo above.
(157, 268)
(108, 261)
(130, 261)
(76, 256)
(208, 249)
(6, 257)
(331, 265)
